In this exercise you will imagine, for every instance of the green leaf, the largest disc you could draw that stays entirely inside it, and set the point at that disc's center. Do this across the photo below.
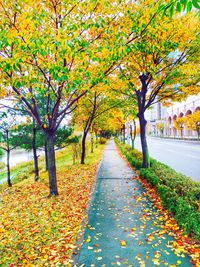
(178, 7)
(196, 3)
(161, 8)
(171, 11)
(128, 49)
(89, 53)
(184, 2)
(189, 6)
(18, 84)
(63, 78)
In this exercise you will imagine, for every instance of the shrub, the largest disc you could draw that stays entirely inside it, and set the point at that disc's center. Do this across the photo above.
(191, 220)
(136, 154)
(150, 176)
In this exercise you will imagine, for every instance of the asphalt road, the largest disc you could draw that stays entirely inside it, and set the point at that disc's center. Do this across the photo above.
(183, 156)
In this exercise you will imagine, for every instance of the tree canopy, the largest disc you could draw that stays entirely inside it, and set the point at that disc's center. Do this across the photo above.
(54, 53)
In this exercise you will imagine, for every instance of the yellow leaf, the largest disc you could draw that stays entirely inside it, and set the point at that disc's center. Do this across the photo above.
(122, 243)
(88, 239)
(133, 229)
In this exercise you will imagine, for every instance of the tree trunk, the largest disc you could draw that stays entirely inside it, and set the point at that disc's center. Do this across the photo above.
(96, 139)
(46, 160)
(198, 133)
(49, 137)
(8, 158)
(124, 129)
(83, 151)
(143, 123)
(132, 137)
(8, 168)
(134, 134)
(92, 143)
(35, 157)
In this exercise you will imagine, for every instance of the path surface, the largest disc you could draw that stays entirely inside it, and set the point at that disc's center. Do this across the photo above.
(124, 228)
(183, 156)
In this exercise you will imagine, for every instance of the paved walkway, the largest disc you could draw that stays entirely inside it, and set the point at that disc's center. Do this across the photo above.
(124, 228)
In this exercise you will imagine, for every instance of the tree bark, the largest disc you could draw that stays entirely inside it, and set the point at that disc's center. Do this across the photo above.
(134, 134)
(121, 135)
(124, 129)
(131, 136)
(96, 139)
(92, 143)
(35, 157)
(8, 158)
(145, 153)
(46, 160)
(49, 137)
(83, 152)
(198, 133)
(87, 128)
(8, 168)
(141, 99)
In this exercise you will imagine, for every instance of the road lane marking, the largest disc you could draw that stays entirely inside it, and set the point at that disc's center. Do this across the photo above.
(192, 156)
(181, 145)
(170, 150)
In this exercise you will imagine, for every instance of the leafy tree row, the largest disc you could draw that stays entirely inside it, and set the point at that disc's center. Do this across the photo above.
(56, 55)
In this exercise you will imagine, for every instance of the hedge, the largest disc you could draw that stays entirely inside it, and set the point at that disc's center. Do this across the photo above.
(179, 193)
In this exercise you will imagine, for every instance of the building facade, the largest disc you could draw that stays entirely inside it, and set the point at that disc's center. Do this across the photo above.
(166, 116)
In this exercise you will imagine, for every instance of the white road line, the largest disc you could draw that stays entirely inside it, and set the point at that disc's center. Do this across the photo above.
(192, 156)
(193, 147)
(170, 150)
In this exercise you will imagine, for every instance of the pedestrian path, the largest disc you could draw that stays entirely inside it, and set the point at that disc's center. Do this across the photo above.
(124, 229)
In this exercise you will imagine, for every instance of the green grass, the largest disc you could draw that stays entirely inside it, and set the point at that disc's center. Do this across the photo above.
(21, 170)
(26, 169)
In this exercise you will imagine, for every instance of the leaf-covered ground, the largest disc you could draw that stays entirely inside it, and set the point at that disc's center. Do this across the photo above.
(39, 231)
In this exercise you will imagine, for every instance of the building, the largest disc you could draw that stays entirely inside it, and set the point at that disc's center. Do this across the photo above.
(166, 116)
(179, 110)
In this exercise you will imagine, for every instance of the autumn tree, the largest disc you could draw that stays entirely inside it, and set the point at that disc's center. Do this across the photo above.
(91, 108)
(192, 122)
(179, 124)
(160, 127)
(52, 53)
(178, 6)
(9, 138)
(110, 121)
(32, 139)
(153, 69)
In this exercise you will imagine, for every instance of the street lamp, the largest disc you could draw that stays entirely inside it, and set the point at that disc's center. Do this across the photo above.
(198, 128)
